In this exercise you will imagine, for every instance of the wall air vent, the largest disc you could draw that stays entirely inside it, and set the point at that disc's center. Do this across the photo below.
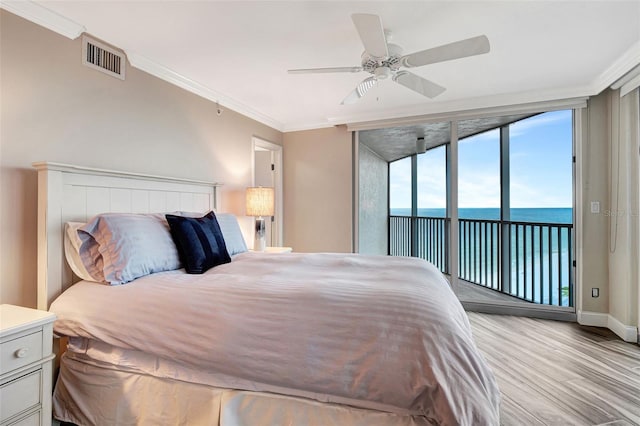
(103, 58)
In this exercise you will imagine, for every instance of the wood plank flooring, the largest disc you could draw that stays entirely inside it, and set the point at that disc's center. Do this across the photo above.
(560, 373)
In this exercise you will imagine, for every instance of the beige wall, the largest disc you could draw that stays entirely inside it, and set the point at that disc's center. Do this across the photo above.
(55, 109)
(318, 190)
(624, 217)
(611, 175)
(595, 227)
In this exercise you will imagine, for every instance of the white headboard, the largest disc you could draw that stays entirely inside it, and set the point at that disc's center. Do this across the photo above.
(74, 193)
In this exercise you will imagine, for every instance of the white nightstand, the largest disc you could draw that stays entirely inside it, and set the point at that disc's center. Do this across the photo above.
(278, 250)
(26, 340)
(275, 250)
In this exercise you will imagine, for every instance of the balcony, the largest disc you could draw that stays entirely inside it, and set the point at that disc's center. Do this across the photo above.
(497, 260)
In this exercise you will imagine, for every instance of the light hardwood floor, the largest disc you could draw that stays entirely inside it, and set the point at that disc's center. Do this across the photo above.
(559, 373)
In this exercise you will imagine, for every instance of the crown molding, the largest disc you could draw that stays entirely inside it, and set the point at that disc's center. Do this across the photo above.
(307, 126)
(629, 60)
(44, 17)
(170, 76)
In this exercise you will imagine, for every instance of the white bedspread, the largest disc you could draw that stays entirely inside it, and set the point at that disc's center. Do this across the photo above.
(384, 333)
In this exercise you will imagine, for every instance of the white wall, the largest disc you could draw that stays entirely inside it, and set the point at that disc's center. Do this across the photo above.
(55, 109)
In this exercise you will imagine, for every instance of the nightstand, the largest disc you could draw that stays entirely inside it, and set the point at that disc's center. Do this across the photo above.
(278, 250)
(26, 340)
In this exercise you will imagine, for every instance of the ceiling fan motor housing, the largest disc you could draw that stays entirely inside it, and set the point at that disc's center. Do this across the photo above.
(392, 62)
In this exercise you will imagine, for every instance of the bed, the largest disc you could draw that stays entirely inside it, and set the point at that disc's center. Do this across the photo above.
(264, 339)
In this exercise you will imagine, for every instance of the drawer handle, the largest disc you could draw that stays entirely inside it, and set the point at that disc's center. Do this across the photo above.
(21, 353)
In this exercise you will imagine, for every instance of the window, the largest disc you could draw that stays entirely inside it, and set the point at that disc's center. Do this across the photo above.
(479, 176)
(400, 187)
(540, 162)
(432, 183)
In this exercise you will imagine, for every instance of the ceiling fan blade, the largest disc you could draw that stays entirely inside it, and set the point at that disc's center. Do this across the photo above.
(361, 89)
(371, 33)
(459, 49)
(418, 84)
(325, 70)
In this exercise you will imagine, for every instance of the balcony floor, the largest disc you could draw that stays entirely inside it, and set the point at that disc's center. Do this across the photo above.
(470, 292)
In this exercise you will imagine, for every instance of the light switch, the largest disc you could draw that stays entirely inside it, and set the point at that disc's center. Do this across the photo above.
(595, 207)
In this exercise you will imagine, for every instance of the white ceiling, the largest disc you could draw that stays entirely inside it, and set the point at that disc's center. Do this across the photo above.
(240, 51)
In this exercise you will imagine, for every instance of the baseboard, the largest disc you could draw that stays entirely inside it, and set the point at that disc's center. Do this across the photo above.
(628, 333)
(593, 319)
(521, 310)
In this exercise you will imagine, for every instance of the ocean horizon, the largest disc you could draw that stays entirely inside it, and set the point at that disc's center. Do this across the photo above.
(537, 215)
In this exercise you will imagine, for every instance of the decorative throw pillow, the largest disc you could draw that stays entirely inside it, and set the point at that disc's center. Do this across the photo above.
(199, 242)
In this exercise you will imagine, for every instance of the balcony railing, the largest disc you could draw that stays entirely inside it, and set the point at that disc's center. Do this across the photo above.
(432, 243)
(527, 260)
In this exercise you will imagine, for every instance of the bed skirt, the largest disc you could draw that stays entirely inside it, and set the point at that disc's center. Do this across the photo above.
(86, 394)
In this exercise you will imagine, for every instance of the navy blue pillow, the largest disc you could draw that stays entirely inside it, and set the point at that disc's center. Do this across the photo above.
(199, 241)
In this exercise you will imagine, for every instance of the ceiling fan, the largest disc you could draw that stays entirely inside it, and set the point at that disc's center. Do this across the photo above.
(383, 60)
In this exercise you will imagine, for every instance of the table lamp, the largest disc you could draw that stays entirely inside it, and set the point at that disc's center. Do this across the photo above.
(260, 202)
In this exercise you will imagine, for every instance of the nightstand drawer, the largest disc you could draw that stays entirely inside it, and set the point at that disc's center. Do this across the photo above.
(20, 352)
(31, 420)
(20, 394)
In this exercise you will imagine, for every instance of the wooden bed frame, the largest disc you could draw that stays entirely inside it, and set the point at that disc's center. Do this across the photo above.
(74, 193)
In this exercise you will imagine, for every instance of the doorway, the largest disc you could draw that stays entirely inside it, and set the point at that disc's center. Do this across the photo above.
(267, 172)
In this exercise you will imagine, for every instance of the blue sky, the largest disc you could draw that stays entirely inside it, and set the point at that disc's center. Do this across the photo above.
(541, 169)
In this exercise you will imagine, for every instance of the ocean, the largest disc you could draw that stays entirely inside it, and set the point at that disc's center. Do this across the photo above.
(537, 215)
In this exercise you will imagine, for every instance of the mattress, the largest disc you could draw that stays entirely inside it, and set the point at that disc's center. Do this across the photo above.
(371, 332)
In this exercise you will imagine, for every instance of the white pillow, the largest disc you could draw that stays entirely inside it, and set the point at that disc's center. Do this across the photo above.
(233, 238)
(72, 251)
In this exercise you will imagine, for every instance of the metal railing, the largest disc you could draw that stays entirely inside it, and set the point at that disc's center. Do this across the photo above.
(527, 260)
(479, 243)
(430, 243)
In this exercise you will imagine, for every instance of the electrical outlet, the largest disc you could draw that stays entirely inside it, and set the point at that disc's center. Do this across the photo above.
(595, 207)
(595, 292)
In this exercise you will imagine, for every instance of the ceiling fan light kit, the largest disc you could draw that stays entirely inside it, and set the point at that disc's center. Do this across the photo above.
(383, 60)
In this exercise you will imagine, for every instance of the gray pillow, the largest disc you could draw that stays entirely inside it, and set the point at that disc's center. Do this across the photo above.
(126, 246)
(233, 238)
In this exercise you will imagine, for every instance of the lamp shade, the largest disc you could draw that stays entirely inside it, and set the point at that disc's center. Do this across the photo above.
(260, 201)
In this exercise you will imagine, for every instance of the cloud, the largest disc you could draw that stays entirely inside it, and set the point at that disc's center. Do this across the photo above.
(525, 195)
(522, 127)
(491, 135)
(479, 189)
